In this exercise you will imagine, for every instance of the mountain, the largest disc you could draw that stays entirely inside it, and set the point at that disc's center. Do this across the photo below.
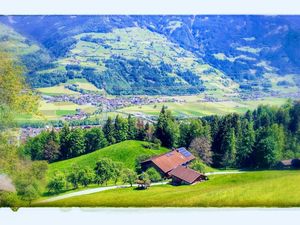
(164, 54)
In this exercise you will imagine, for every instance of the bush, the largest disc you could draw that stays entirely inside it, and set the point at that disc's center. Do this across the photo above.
(198, 166)
(154, 175)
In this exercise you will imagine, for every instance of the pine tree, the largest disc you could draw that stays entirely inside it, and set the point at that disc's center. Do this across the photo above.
(120, 129)
(94, 139)
(246, 144)
(167, 130)
(108, 130)
(229, 149)
(76, 143)
(132, 130)
(64, 141)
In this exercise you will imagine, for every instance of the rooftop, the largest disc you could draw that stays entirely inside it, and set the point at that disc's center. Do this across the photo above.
(168, 161)
(185, 174)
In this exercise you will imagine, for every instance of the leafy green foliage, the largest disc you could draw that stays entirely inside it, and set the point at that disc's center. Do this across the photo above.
(154, 175)
(57, 183)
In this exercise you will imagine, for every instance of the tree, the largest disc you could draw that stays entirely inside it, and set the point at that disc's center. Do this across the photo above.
(73, 176)
(51, 151)
(94, 140)
(148, 131)
(15, 95)
(30, 193)
(57, 183)
(269, 146)
(154, 175)
(117, 171)
(229, 149)
(15, 98)
(120, 129)
(246, 144)
(104, 171)
(86, 176)
(201, 146)
(132, 130)
(64, 135)
(167, 129)
(36, 145)
(108, 130)
(76, 143)
(39, 169)
(129, 176)
(141, 130)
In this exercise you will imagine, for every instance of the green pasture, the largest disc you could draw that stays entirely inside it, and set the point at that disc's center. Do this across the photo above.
(250, 189)
(125, 152)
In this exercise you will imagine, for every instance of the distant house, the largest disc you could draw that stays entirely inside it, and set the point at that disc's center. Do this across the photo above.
(167, 162)
(184, 175)
(289, 163)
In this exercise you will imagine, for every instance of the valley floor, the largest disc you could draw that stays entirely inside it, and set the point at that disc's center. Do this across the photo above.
(251, 189)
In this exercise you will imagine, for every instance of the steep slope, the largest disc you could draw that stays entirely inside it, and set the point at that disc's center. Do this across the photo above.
(28, 52)
(253, 51)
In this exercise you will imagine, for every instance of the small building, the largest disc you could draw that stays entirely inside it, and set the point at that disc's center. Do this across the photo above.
(167, 162)
(288, 164)
(183, 175)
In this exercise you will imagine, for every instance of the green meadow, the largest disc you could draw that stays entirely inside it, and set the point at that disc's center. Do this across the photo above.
(249, 189)
(125, 152)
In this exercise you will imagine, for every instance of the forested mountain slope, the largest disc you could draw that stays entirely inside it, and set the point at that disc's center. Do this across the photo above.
(165, 54)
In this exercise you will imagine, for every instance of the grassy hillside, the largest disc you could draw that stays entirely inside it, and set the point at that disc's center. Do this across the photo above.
(125, 152)
(252, 189)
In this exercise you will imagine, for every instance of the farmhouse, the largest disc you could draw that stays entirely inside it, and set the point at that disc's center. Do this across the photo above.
(166, 162)
(174, 165)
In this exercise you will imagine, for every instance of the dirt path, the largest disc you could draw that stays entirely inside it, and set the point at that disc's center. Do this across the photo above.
(224, 172)
(93, 190)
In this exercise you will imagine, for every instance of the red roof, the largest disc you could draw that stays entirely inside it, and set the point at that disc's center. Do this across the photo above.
(171, 160)
(186, 174)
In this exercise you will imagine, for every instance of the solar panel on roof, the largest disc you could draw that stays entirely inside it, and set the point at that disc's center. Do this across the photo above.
(184, 152)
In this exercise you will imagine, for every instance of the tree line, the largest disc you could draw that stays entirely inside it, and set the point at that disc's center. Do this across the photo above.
(71, 142)
(256, 139)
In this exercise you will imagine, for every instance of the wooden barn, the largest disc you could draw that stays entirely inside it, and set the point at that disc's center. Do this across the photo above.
(167, 162)
(183, 175)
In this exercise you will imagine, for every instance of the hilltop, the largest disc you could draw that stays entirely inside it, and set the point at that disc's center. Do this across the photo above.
(125, 152)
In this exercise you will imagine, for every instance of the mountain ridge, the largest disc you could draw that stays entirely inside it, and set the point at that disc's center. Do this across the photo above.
(239, 53)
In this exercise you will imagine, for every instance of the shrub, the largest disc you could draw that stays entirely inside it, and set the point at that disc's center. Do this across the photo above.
(154, 175)
(198, 166)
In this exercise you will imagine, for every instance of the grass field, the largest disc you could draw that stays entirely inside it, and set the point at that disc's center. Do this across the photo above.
(193, 107)
(125, 152)
(250, 189)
